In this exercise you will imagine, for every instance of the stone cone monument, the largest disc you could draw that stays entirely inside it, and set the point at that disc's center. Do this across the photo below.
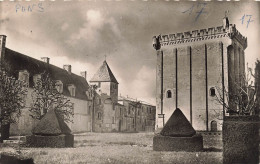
(178, 135)
(51, 131)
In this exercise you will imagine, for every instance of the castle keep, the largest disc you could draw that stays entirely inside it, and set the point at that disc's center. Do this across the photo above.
(192, 67)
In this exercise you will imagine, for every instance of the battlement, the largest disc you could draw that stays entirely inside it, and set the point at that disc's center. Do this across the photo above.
(202, 34)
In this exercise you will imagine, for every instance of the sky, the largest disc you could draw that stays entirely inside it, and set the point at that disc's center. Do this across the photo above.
(85, 33)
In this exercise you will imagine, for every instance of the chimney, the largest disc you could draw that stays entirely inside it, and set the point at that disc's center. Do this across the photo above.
(67, 68)
(2, 47)
(84, 74)
(46, 60)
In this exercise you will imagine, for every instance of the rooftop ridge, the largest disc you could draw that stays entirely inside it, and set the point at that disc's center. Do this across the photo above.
(202, 34)
(38, 60)
(135, 100)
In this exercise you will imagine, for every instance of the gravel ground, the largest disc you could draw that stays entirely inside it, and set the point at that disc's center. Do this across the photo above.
(120, 148)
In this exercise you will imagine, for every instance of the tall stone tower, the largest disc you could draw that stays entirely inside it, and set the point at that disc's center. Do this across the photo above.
(192, 67)
(106, 82)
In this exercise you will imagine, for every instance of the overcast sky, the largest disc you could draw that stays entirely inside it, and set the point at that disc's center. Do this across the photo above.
(82, 33)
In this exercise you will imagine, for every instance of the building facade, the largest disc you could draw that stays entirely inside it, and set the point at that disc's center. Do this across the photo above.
(96, 106)
(115, 113)
(72, 86)
(194, 66)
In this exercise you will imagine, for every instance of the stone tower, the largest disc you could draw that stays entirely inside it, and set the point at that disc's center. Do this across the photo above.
(192, 67)
(106, 82)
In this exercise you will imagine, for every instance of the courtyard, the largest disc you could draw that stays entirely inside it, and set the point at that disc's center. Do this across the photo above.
(117, 148)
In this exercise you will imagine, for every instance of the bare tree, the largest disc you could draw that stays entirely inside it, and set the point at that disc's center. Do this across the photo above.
(12, 100)
(46, 96)
(241, 98)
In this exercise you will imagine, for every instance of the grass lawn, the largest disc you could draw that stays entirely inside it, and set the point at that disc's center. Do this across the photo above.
(121, 148)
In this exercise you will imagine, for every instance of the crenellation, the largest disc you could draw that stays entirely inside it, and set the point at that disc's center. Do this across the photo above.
(195, 33)
(211, 31)
(180, 36)
(187, 34)
(219, 30)
(165, 38)
(172, 37)
(203, 32)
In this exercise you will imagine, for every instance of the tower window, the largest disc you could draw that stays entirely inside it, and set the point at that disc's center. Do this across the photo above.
(99, 115)
(212, 91)
(169, 94)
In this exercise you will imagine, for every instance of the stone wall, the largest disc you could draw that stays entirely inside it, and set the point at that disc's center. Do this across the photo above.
(81, 119)
(193, 66)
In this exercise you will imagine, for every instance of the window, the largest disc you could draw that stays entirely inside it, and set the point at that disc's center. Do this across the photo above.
(99, 116)
(89, 109)
(59, 86)
(150, 110)
(113, 120)
(72, 90)
(36, 78)
(99, 101)
(138, 112)
(169, 94)
(24, 76)
(212, 91)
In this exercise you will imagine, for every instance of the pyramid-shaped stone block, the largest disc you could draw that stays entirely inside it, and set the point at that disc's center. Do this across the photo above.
(178, 126)
(51, 124)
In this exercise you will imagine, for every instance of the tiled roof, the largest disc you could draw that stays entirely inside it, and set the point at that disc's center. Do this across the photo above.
(16, 62)
(104, 74)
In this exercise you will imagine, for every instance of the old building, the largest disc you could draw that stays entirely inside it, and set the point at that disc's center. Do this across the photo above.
(139, 115)
(118, 114)
(192, 67)
(74, 87)
(96, 106)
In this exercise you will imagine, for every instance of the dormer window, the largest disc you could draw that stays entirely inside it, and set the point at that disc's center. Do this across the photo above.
(59, 86)
(24, 76)
(36, 78)
(72, 90)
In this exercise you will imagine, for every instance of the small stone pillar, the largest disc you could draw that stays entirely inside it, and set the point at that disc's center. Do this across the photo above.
(178, 135)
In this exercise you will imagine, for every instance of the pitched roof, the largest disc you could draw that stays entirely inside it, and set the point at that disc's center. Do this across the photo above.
(178, 126)
(16, 62)
(104, 74)
(51, 124)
